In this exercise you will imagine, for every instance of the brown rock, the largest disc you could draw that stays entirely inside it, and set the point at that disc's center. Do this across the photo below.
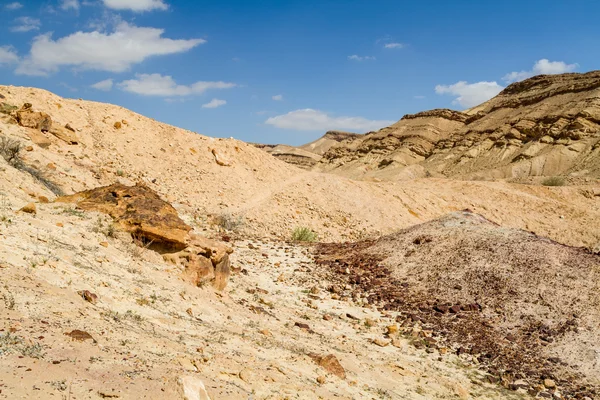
(39, 139)
(140, 211)
(60, 224)
(69, 127)
(396, 343)
(549, 383)
(330, 363)
(43, 199)
(51, 166)
(219, 159)
(392, 329)
(104, 244)
(455, 309)
(321, 379)
(29, 209)
(117, 125)
(88, 296)
(79, 335)
(35, 120)
(29, 148)
(66, 135)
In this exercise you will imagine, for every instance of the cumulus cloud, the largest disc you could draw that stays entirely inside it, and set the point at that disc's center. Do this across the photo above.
(159, 85)
(214, 103)
(541, 67)
(136, 5)
(13, 6)
(69, 4)
(393, 45)
(114, 52)
(470, 94)
(104, 85)
(315, 120)
(8, 55)
(26, 24)
(355, 57)
(277, 97)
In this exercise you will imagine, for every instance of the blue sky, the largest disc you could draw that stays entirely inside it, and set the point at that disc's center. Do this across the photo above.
(287, 71)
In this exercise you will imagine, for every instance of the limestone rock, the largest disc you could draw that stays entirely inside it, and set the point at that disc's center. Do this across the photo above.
(192, 388)
(39, 139)
(64, 134)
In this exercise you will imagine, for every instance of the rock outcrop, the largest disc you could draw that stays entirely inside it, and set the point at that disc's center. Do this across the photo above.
(155, 224)
(544, 126)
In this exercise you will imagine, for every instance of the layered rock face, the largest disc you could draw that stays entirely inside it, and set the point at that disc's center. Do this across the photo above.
(544, 126)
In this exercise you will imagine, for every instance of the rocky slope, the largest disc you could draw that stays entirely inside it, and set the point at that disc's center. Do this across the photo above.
(524, 306)
(543, 126)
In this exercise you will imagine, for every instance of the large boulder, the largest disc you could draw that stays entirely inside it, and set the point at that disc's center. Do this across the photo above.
(65, 134)
(156, 224)
(140, 211)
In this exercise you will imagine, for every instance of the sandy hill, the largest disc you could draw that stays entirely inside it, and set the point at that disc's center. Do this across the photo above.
(91, 311)
(543, 126)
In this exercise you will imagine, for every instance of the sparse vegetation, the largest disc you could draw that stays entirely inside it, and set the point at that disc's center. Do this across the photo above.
(11, 151)
(229, 222)
(303, 234)
(554, 181)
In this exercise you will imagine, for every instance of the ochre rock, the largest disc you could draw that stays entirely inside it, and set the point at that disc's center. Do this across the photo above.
(32, 119)
(140, 211)
(64, 134)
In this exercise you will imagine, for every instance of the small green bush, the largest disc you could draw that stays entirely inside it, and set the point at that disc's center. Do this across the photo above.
(554, 181)
(303, 234)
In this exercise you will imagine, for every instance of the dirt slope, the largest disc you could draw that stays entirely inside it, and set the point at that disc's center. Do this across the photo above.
(524, 306)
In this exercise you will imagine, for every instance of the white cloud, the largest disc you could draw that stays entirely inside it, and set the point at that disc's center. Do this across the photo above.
(136, 5)
(315, 120)
(393, 45)
(104, 85)
(8, 55)
(26, 24)
(355, 57)
(214, 103)
(541, 67)
(69, 4)
(277, 97)
(114, 52)
(13, 6)
(470, 94)
(159, 85)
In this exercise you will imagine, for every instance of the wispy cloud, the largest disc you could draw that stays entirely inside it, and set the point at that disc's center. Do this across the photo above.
(315, 120)
(26, 24)
(159, 85)
(214, 103)
(277, 97)
(8, 55)
(69, 4)
(356, 57)
(13, 6)
(105, 85)
(136, 5)
(541, 67)
(114, 52)
(393, 45)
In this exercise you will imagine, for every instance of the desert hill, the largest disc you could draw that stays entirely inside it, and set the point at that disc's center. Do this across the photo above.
(94, 307)
(547, 125)
(519, 303)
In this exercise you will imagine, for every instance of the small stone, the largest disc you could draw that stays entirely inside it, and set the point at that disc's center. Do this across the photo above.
(29, 148)
(88, 296)
(455, 309)
(51, 166)
(330, 363)
(190, 312)
(380, 342)
(117, 125)
(549, 383)
(396, 343)
(60, 224)
(104, 244)
(392, 329)
(29, 209)
(327, 317)
(245, 375)
(321, 380)
(193, 388)
(43, 199)
(266, 332)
